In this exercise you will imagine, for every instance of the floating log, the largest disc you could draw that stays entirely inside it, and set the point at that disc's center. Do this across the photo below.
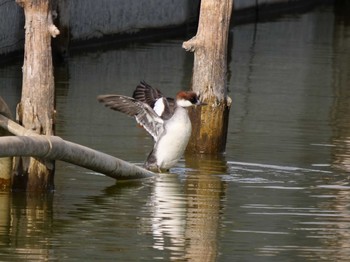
(28, 143)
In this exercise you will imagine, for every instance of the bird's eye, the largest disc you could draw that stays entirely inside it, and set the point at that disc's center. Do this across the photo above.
(193, 100)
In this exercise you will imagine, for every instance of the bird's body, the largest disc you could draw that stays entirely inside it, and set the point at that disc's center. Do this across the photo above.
(164, 118)
(172, 142)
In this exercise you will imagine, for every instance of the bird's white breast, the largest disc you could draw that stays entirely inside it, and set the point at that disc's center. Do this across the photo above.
(172, 145)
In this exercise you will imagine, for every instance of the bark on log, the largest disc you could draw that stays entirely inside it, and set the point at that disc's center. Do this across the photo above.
(36, 109)
(210, 123)
(27, 143)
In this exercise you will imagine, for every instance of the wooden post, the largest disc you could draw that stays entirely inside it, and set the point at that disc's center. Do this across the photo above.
(36, 109)
(210, 122)
(5, 162)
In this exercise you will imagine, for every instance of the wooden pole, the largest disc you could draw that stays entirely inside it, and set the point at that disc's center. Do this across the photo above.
(36, 109)
(210, 122)
(5, 162)
(27, 143)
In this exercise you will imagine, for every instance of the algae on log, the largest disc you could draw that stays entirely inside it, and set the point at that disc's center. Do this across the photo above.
(209, 78)
(36, 109)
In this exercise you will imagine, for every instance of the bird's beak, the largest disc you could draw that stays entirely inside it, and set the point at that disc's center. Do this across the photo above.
(199, 103)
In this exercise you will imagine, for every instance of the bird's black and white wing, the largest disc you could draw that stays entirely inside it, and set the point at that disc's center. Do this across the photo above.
(163, 106)
(147, 94)
(142, 112)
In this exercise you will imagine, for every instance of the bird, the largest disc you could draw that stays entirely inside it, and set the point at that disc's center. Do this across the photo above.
(165, 119)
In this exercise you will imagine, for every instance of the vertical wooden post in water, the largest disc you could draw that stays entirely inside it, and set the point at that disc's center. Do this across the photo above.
(5, 162)
(36, 109)
(210, 122)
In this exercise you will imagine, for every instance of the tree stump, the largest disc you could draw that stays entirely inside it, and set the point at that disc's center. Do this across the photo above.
(36, 108)
(210, 123)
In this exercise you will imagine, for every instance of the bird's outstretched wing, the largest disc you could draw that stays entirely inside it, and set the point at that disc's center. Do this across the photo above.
(163, 106)
(142, 112)
(147, 94)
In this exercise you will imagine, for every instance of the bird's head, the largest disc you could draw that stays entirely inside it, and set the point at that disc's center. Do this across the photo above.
(187, 99)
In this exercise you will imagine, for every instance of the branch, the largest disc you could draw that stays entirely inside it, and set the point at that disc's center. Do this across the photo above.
(51, 27)
(4, 109)
(191, 44)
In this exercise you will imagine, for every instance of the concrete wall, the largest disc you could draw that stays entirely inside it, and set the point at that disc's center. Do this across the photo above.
(91, 20)
(242, 4)
(86, 19)
(11, 27)
(80, 20)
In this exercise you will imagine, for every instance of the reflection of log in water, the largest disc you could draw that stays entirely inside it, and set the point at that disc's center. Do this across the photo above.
(335, 232)
(341, 107)
(204, 192)
(27, 220)
(5, 218)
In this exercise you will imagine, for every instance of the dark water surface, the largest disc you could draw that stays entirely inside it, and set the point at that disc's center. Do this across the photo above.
(280, 193)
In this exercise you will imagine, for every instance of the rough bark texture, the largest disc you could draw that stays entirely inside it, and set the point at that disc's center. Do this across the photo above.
(36, 109)
(209, 127)
(209, 77)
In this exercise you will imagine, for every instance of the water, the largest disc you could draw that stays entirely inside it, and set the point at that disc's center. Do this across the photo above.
(280, 193)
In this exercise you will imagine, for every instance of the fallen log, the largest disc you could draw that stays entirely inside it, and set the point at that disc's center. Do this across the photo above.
(28, 143)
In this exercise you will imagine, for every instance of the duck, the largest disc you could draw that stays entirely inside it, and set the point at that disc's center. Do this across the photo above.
(165, 119)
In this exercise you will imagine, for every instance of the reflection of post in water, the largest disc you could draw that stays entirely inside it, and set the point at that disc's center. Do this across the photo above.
(341, 106)
(5, 218)
(204, 192)
(26, 220)
(341, 135)
(335, 234)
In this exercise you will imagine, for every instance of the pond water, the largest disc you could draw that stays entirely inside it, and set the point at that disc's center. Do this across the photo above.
(281, 192)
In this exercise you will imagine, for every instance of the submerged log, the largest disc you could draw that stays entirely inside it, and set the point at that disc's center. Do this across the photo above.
(27, 143)
(210, 123)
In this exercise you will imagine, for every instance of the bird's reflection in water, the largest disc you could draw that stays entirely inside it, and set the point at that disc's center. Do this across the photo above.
(168, 206)
(186, 209)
